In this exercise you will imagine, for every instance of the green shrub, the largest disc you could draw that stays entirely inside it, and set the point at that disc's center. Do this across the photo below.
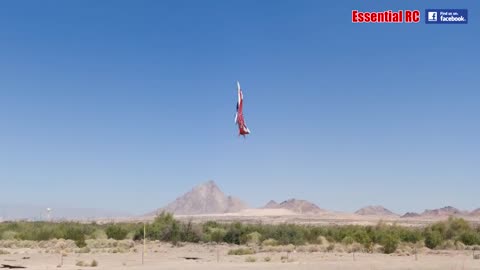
(166, 228)
(347, 240)
(99, 234)
(215, 235)
(362, 237)
(270, 242)
(190, 232)
(433, 238)
(469, 238)
(163, 228)
(254, 238)
(8, 235)
(116, 232)
(241, 251)
(389, 243)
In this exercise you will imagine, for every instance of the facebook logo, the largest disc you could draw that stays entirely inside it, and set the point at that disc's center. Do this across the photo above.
(446, 16)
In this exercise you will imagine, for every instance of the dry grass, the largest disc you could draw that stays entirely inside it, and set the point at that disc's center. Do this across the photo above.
(241, 251)
(109, 243)
(93, 263)
(83, 250)
(250, 259)
(287, 248)
(270, 242)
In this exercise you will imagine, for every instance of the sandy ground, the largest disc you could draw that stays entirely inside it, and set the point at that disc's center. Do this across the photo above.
(164, 256)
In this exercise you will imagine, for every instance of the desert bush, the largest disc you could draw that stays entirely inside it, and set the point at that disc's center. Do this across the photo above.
(93, 263)
(313, 249)
(448, 245)
(433, 238)
(8, 235)
(267, 259)
(116, 232)
(236, 234)
(321, 240)
(469, 238)
(98, 234)
(215, 235)
(460, 246)
(389, 243)
(455, 227)
(289, 234)
(362, 237)
(126, 244)
(83, 250)
(253, 238)
(270, 242)
(347, 240)
(166, 228)
(101, 243)
(4, 252)
(250, 259)
(241, 251)
(190, 232)
(410, 235)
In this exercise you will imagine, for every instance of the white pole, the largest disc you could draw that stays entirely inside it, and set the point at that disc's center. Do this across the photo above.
(144, 241)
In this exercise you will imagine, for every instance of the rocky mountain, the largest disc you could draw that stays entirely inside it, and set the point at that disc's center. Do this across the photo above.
(475, 213)
(410, 215)
(374, 210)
(442, 212)
(297, 206)
(271, 205)
(206, 198)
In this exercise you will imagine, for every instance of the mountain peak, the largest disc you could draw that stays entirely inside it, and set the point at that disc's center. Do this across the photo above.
(300, 206)
(209, 186)
(444, 211)
(271, 204)
(374, 210)
(410, 215)
(475, 212)
(205, 198)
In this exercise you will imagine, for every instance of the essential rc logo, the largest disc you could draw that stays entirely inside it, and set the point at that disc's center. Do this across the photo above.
(446, 16)
(387, 16)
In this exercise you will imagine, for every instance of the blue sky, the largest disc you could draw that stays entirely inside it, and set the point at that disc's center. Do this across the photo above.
(126, 104)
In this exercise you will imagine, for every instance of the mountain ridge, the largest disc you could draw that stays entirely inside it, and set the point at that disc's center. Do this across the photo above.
(205, 198)
(374, 210)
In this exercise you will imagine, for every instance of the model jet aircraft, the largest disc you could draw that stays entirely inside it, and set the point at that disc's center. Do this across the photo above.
(239, 120)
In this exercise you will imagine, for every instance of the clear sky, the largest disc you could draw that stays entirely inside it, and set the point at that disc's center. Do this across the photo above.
(125, 105)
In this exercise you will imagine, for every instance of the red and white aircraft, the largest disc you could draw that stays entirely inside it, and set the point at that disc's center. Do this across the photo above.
(242, 127)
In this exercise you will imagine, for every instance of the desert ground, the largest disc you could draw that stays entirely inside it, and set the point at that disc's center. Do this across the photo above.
(202, 256)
